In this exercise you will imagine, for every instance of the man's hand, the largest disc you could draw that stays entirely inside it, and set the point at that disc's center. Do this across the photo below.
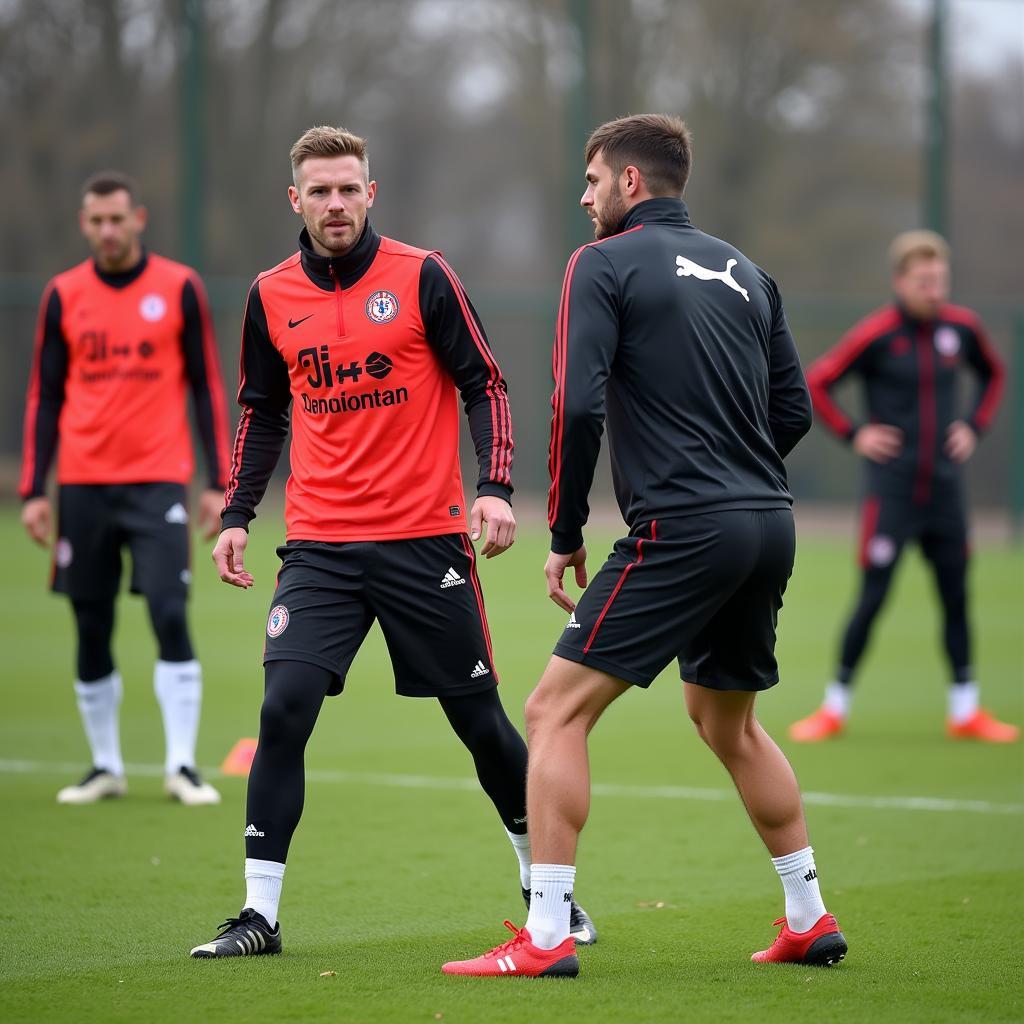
(36, 516)
(501, 524)
(554, 570)
(227, 556)
(961, 440)
(211, 501)
(878, 442)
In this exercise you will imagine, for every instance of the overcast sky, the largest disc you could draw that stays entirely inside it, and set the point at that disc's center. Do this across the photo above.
(982, 33)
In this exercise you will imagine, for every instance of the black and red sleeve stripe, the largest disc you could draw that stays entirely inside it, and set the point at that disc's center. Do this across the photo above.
(455, 333)
(264, 394)
(826, 371)
(45, 397)
(985, 361)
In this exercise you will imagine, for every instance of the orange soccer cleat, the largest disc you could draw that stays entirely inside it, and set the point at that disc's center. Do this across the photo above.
(982, 726)
(818, 726)
(519, 957)
(822, 945)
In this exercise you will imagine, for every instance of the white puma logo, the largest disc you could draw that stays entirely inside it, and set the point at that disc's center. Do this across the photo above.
(687, 268)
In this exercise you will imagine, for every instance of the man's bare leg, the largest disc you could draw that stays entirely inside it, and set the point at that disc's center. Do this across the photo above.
(561, 711)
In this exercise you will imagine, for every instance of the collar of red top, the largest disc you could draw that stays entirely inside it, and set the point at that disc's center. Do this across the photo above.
(122, 278)
(656, 211)
(346, 269)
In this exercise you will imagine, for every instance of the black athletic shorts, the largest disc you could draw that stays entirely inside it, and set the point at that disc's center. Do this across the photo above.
(424, 592)
(704, 589)
(95, 521)
(888, 523)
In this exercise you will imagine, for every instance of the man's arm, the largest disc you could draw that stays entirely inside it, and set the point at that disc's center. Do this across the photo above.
(586, 338)
(264, 394)
(45, 397)
(202, 367)
(789, 402)
(983, 359)
(455, 333)
(848, 356)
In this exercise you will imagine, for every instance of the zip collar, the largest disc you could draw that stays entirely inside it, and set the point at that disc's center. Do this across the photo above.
(122, 278)
(346, 270)
(671, 212)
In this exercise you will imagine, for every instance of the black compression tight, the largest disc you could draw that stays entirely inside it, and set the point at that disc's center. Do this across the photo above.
(94, 624)
(951, 582)
(293, 696)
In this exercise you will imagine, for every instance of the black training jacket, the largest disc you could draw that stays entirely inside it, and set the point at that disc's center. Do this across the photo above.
(682, 343)
(910, 370)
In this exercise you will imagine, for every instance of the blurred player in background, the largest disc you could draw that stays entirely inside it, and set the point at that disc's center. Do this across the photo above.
(122, 339)
(685, 343)
(369, 342)
(909, 356)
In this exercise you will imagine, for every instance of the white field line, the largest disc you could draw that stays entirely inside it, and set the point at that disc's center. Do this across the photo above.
(885, 803)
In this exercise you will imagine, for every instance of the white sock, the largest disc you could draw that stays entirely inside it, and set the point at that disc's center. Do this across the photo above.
(837, 699)
(800, 883)
(521, 844)
(550, 896)
(99, 704)
(179, 690)
(263, 881)
(963, 701)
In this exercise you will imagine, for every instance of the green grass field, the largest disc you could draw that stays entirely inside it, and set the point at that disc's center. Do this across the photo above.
(400, 863)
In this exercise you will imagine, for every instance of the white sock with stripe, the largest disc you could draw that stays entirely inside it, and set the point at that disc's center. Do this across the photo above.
(550, 899)
(179, 691)
(800, 883)
(99, 704)
(263, 881)
(521, 844)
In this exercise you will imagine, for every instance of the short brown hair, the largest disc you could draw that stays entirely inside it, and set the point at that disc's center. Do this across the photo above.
(916, 245)
(323, 140)
(657, 144)
(105, 183)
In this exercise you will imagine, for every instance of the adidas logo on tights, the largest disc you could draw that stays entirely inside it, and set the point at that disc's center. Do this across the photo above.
(252, 832)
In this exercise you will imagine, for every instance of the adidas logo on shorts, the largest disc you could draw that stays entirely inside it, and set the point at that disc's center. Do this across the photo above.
(480, 670)
(176, 514)
(572, 623)
(252, 832)
(451, 579)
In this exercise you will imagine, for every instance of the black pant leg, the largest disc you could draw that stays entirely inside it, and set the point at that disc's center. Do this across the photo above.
(94, 626)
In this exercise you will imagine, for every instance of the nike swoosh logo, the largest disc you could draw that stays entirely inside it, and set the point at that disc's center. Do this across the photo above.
(295, 323)
(583, 935)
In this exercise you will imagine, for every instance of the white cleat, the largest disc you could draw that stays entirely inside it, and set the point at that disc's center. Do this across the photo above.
(98, 784)
(189, 788)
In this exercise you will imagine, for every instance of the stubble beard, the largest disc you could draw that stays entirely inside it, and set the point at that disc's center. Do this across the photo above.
(335, 246)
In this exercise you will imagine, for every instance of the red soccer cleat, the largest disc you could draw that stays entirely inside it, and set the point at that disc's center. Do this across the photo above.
(822, 945)
(982, 726)
(519, 957)
(816, 727)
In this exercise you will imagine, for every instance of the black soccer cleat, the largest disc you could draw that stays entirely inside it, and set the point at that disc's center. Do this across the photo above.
(249, 934)
(581, 928)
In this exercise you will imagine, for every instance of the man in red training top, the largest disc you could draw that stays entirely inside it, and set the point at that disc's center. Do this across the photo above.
(909, 355)
(370, 342)
(122, 338)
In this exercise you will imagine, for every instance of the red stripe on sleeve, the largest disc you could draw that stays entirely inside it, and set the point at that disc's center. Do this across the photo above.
(827, 369)
(236, 456)
(501, 418)
(28, 462)
(214, 378)
(993, 394)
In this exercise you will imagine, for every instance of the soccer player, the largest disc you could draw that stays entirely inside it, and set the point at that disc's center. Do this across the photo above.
(370, 342)
(682, 343)
(122, 338)
(909, 356)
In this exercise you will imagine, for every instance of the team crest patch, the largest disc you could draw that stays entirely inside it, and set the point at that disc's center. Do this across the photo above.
(63, 553)
(881, 550)
(278, 621)
(947, 341)
(382, 307)
(153, 307)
